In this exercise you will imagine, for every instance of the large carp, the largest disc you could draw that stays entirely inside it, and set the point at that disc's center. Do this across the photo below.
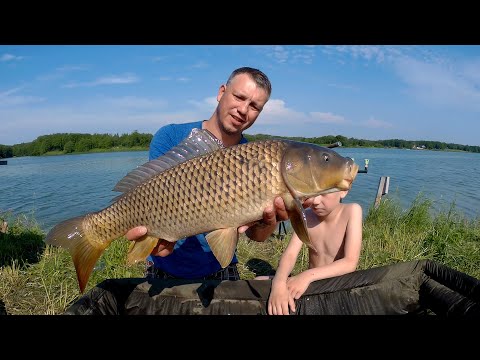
(200, 186)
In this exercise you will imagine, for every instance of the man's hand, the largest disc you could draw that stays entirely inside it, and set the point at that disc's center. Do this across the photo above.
(163, 247)
(261, 230)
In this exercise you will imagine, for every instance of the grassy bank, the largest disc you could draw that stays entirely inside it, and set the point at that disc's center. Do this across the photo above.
(39, 279)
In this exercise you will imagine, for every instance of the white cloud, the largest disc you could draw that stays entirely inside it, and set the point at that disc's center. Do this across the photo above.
(136, 102)
(275, 112)
(106, 80)
(328, 118)
(430, 76)
(20, 100)
(159, 58)
(288, 54)
(8, 99)
(377, 124)
(10, 92)
(279, 53)
(305, 55)
(71, 68)
(206, 105)
(62, 71)
(125, 79)
(181, 79)
(200, 65)
(10, 57)
(471, 71)
(343, 86)
(379, 54)
(441, 83)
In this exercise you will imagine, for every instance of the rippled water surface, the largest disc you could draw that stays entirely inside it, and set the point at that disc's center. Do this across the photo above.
(55, 188)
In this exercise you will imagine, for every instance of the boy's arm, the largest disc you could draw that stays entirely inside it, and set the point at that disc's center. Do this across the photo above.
(288, 259)
(347, 264)
(280, 299)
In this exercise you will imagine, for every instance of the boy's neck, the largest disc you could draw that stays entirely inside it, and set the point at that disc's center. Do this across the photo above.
(331, 215)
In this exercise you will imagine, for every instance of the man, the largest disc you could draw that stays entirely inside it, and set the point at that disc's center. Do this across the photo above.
(240, 101)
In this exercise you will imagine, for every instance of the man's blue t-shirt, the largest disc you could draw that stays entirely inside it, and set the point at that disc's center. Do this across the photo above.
(192, 257)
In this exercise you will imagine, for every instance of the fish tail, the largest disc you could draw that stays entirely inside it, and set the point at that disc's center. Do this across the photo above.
(85, 252)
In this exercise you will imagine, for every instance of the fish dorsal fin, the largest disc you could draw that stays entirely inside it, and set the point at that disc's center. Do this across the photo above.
(198, 143)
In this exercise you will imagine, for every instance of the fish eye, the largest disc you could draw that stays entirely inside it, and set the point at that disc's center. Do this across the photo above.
(325, 157)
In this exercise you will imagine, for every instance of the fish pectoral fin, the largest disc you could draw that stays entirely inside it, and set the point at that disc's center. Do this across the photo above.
(140, 249)
(223, 243)
(298, 219)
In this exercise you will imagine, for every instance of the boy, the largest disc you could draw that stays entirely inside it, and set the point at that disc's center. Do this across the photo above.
(336, 232)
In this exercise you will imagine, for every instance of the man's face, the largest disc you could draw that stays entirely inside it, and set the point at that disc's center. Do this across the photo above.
(240, 103)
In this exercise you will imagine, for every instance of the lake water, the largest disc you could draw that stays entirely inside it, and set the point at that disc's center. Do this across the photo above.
(55, 188)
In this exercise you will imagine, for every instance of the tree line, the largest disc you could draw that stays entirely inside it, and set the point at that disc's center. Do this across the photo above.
(67, 143)
(390, 143)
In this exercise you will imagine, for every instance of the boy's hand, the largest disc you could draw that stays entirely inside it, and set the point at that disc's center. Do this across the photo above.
(280, 300)
(297, 285)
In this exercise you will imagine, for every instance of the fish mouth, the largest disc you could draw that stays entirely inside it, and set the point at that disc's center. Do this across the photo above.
(351, 172)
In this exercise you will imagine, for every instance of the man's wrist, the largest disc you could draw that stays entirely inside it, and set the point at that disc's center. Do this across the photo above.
(260, 231)
(261, 225)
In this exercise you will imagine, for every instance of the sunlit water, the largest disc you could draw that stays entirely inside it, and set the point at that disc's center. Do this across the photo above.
(55, 188)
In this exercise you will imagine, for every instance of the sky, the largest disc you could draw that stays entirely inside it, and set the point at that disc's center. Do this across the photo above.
(374, 92)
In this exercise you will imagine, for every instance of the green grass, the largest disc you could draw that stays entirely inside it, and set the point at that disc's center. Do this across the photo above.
(39, 279)
(391, 235)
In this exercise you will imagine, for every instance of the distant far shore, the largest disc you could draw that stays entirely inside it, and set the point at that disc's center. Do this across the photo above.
(74, 143)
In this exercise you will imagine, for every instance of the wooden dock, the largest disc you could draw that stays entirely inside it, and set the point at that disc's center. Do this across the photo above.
(382, 189)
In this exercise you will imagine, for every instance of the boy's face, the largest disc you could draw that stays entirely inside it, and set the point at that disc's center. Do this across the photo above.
(323, 205)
